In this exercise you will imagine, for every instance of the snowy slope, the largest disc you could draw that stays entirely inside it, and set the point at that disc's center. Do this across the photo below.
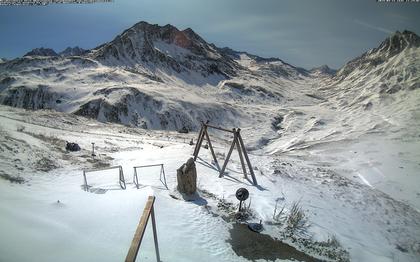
(344, 144)
(369, 111)
(71, 224)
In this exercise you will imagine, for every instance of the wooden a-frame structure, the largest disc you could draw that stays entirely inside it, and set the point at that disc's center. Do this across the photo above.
(237, 141)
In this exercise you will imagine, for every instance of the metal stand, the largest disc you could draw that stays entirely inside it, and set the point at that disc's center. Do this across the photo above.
(121, 179)
(93, 149)
(161, 175)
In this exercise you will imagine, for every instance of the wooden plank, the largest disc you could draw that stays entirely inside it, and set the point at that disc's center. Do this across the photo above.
(212, 151)
(228, 156)
(251, 171)
(219, 128)
(238, 146)
(138, 236)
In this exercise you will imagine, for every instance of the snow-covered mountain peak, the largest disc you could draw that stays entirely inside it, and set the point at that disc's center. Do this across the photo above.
(397, 43)
(272, 65)
(146, 47)
(392, 46)
(323, 70)
(41, 52)
(73, 51)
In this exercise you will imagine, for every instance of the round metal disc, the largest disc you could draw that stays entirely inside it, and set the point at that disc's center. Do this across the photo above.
(255, 227)
(242, 194)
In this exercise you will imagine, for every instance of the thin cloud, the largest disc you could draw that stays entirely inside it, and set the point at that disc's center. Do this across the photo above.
(374, 27)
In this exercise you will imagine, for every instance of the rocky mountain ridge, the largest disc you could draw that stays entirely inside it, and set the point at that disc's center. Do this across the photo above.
(161, 77)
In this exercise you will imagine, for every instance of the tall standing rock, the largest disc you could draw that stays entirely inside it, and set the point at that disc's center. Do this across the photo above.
(187, 178)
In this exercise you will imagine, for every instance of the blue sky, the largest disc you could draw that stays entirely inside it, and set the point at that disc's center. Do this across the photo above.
(304, 33)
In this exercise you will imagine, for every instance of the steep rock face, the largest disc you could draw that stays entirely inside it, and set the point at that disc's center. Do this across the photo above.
(382, 86)
(391, 47)
(38, 97)
(41, 52)
(136, 108)
(152, 46)
(73, 51)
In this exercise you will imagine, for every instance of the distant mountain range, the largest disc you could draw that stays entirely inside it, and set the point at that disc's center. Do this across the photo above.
(164, 78)
(69, 51)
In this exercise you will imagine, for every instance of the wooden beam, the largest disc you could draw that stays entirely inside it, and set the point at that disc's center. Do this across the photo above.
(136, 178)
(138, 236)
(211, 150)
(219, 128)
(251, 171)
(228, 156)
(198, 139)
(238, 146)
(199, 142)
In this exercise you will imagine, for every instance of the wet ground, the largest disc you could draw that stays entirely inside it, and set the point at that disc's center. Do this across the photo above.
(254, 246)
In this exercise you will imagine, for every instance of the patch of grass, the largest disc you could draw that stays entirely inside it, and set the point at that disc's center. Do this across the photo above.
(279, 214)
(12, 179)
(52, 141)
(297, 218)
(45, 164)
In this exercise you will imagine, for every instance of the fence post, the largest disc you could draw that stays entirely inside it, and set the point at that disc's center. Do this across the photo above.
(141, 228)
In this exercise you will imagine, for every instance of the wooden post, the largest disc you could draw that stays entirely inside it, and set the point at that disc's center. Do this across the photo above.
(251, 171)
(200, 142)
(152, 214)
(228, 155)
(135, 178)
(238, 146)
(138, 236)
(212, 151)
(84, 176)
(122, 180)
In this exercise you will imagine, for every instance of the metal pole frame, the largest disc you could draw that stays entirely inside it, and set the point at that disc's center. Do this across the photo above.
(121, 179)
(161, 174)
